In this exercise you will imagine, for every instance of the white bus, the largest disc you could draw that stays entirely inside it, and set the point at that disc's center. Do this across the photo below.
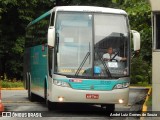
(63, 61)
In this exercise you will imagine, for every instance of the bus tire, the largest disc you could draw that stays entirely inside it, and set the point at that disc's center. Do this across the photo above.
(31, 96)
(29, 89)
(26, 81)
(45, 92)
(110, 108)
(51, 105)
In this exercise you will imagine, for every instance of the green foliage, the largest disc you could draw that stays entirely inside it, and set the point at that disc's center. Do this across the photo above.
(140, 71)
(140, 20)
(14, 17)
(92, 2)
(6, 83)
(139, 14)
(18, 47)
(11, 84)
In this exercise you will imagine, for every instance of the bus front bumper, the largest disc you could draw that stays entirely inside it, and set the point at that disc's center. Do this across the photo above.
(69, 95)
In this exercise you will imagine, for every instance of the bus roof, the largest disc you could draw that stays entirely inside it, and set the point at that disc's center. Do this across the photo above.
(89, 9)
(40, 18)
(79, 9)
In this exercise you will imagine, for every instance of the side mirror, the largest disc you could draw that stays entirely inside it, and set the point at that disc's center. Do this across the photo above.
(51, 36)
(136, 40)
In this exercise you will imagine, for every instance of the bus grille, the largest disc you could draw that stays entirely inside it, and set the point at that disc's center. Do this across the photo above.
(96, 85)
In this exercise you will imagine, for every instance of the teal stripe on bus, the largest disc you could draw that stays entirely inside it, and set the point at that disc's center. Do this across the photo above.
(98, 84)
(40, 18)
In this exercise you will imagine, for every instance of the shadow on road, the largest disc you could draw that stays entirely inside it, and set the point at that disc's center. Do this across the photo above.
(73, 109)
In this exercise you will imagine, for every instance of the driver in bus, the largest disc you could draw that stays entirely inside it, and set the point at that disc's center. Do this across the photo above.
(109, 56)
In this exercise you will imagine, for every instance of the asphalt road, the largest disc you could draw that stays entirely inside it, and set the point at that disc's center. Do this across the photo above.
(16, 100)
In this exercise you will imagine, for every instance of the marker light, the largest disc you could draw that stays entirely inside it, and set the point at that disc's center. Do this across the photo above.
(121, 101)
(61, 99)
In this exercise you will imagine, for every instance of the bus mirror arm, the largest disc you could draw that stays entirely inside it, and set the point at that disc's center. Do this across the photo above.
(136, 40)
(51, 36)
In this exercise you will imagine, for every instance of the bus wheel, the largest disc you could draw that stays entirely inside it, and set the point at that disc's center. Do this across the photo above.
(45, 92)
(51, 105)
(110, 108)
(31, 96)
(29, 91)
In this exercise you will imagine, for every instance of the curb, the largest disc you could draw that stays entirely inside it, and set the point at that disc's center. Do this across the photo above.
(144, 108)
(12, 88)
(139, 87)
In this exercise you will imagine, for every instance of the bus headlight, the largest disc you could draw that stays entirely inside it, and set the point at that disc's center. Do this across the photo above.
(121, 85)
(61, 83)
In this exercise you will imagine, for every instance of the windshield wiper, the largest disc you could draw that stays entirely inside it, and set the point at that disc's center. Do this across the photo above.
(81, 65)
(114, 56)
(104, 64)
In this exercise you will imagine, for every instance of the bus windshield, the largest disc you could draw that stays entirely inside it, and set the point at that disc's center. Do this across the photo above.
(82, 39)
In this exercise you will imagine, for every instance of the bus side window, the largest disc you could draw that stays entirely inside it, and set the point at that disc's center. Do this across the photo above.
(52, 19)
(30, 36)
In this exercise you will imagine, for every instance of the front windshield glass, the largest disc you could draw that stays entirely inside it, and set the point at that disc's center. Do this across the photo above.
(83, 41)
(73, 43)
(111, 45)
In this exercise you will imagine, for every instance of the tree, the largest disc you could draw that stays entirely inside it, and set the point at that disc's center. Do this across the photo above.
(140, 19)
(14, 17)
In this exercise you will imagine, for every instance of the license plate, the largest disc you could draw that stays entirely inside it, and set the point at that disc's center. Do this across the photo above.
(92, 96)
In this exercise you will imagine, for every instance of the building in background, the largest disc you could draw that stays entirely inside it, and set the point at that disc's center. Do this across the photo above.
(155, 5)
